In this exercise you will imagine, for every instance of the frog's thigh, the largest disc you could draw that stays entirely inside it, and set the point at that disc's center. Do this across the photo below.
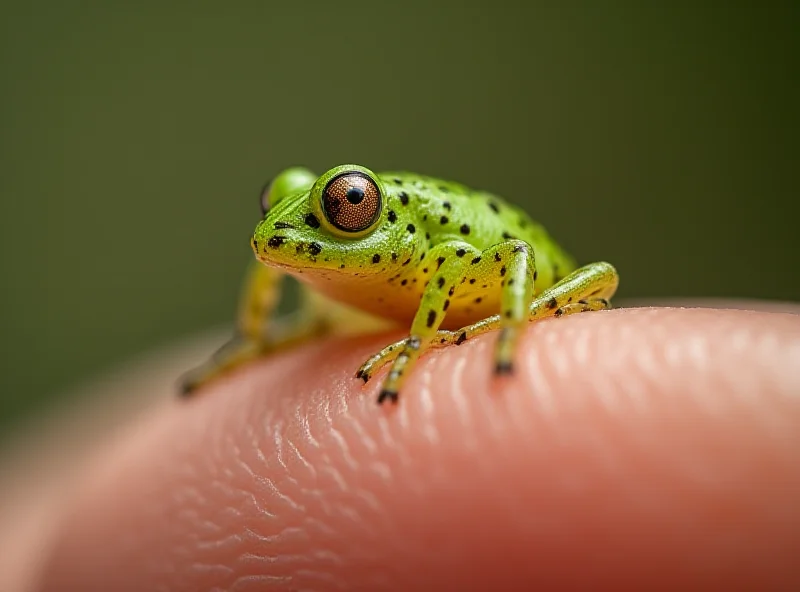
(450, 262)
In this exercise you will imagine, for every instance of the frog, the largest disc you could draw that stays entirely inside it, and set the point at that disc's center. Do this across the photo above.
(373, 250)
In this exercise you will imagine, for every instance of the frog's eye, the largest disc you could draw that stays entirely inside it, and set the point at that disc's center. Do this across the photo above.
(351, 201)
(264, 200)
(289, 182)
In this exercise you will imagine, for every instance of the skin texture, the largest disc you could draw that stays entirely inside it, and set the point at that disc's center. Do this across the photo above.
(634, 449)
(448, 261)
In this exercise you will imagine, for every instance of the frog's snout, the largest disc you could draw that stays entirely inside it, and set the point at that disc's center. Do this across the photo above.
(279, 244)
(267, 242)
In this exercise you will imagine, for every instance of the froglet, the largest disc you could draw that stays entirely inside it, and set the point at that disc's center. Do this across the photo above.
(447, 261)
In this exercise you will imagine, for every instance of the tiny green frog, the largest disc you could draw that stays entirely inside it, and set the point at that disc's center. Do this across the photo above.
(444, 260)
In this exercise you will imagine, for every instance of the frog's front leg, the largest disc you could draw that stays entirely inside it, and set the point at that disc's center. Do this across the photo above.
(450, 265)
(512, 265)
(257, 332)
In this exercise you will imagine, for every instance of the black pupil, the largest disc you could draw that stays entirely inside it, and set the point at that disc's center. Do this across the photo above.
(355, 195)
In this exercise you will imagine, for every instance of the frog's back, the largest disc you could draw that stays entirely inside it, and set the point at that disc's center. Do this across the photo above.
(451, 211)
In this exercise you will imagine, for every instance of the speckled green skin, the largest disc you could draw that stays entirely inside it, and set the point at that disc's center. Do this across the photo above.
(447, 261)
(384, 271)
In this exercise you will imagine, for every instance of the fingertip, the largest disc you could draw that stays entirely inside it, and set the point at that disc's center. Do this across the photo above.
(626, 442)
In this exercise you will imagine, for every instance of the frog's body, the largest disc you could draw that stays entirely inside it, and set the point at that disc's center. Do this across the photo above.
(387, 272)
(405, 248)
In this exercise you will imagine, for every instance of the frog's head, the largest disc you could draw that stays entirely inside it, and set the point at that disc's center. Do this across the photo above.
(337, 223)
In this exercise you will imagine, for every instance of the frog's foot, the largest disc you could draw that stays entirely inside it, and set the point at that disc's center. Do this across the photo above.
(443, 338)
(389, 353)
(231, 355)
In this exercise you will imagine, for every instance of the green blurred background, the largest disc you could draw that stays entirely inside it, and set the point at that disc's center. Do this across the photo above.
(134, 141)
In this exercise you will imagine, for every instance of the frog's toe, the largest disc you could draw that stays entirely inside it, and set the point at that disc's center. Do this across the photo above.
(504, 367)
(372, 365)
(369, 367)
(188, 384)
(385, 394)
(363, 374)
(186, 387)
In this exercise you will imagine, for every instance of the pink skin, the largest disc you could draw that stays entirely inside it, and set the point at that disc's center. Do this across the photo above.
(633, 449)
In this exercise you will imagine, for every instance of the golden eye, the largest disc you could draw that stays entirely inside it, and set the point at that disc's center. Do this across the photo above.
(351, 202)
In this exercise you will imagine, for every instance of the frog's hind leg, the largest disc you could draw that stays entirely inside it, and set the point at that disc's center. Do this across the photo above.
(517, 268)
(588, 288)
